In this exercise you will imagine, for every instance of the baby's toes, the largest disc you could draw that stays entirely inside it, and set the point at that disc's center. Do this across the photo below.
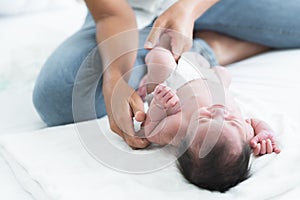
(172, 102)
(171, 98)
(165, 89)
(167, 96)
(158, 90)
(163, 99)
(162, 91)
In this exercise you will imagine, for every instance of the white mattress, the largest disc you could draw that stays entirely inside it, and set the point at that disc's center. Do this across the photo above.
(26, 41)
(51, 163)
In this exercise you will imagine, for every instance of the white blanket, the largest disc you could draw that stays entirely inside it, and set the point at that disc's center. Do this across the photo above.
(53, 164)
(26, 41)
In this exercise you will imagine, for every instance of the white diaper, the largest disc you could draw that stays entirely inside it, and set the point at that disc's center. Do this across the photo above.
(190, 66)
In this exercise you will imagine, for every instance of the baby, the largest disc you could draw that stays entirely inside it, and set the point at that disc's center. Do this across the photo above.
(192, 109)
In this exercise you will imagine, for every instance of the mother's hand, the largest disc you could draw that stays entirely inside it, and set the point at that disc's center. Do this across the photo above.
(173, 30)
(122, 104)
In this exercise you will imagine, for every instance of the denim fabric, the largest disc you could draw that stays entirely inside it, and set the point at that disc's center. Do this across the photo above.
(274, 23)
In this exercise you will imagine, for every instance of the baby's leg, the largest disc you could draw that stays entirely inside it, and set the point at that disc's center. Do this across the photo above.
(160, 63)
(165, 103)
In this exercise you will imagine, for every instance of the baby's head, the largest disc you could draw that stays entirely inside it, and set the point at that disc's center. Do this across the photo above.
(217, 157)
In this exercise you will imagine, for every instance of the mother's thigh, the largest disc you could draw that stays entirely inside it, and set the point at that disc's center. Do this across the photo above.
(272, 23)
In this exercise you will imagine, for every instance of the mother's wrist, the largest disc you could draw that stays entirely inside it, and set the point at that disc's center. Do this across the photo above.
(110, 79)
(191, 5)
(197, 7)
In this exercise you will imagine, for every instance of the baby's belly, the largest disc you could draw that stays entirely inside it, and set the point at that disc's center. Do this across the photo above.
(201, 93)
(198, 94)
(195, 90)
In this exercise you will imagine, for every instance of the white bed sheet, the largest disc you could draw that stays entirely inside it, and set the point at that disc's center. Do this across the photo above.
(26, 41)
(52, 164)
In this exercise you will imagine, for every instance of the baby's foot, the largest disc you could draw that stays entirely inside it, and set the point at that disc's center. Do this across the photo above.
(165, 98)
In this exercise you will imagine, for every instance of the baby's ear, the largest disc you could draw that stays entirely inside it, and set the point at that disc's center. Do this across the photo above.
(223, 75)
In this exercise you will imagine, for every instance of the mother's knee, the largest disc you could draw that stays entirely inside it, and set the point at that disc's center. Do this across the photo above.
(54, 88)
(52, 96)
(52, 100)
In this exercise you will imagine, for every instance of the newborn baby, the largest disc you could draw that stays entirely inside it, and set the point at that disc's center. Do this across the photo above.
(192, 109)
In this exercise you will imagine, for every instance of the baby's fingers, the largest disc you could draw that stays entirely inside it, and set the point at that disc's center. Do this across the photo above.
(269, 146)
(276, 150)
(254, 142)
(263, 149)
(256, 150)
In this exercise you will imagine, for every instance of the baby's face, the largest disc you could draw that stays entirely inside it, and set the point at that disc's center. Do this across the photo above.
(216, 123)
(220, 124)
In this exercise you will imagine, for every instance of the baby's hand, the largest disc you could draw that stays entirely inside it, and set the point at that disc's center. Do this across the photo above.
(263, 143)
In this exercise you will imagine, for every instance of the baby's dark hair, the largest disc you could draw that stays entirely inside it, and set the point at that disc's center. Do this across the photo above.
(217, 171)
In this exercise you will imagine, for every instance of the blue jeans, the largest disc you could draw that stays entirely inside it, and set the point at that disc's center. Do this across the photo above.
(273, 23)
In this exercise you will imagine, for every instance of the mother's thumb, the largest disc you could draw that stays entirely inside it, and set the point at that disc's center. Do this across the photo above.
(136, 104)
(153, 38)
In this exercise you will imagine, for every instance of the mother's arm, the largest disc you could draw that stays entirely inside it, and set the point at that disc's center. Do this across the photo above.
(117, 34)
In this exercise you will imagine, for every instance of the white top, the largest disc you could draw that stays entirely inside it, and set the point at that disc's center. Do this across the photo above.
(147, 10)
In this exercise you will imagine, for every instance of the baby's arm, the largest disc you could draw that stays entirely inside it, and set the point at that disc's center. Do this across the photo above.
(263, 141)
(164, 104)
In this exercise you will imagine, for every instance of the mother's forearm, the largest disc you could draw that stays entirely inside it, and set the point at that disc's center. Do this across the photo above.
(197, 7)
(117, 36)
(118, 42)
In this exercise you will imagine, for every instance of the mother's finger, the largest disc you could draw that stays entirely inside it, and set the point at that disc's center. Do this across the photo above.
(153, 37)
(133, 141)
(136, 142)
